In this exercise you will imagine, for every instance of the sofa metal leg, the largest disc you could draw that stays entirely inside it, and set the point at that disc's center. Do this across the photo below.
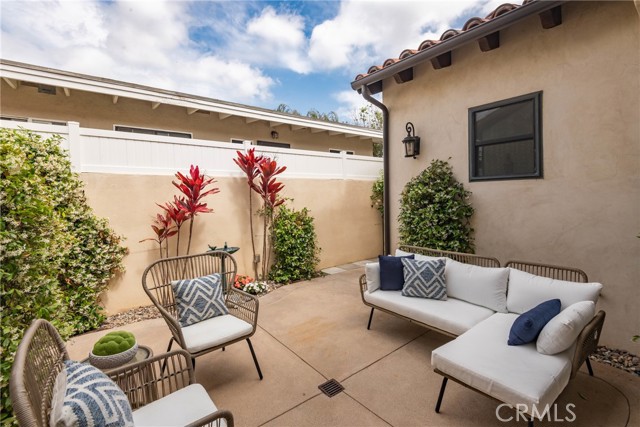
(444, 385)
(530, 422)
(589, 366)
(255, 359)
(370, 317)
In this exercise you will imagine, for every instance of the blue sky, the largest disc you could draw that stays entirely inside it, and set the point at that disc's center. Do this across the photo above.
(300, 53)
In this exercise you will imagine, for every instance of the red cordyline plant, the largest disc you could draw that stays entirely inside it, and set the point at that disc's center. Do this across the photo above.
(268, 189)
(164, 229)
(183, 208)
(248, 163)
(193, 187)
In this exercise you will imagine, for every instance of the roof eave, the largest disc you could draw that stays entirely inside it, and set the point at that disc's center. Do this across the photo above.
(496, 24)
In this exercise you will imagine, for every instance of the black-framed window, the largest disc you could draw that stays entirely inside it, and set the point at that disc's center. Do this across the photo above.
(152, 131)
(273, 144)
(505, 139)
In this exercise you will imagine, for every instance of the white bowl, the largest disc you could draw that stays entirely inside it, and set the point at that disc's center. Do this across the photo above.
(113, 360)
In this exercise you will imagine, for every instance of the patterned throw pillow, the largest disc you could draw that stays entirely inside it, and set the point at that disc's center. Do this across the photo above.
(85, 396)
(199, 299)
(424, 279)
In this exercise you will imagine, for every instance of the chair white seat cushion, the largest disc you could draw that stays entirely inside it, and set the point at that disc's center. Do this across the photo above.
(215, 331)
(515, 375)
(180, 408)
(453, 315)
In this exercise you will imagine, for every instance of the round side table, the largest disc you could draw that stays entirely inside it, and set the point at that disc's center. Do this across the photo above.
(143, 353)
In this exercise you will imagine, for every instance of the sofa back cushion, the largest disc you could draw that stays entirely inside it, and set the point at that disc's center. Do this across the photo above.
(372, 272)
(391, 272)
(527, 291)
(484, 286)
(419, 257)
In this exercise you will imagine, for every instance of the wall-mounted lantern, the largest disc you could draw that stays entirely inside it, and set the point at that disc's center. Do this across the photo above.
(411, 142)
(274, 134)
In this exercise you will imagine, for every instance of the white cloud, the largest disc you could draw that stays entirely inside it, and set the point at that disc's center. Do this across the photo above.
(143, 42)
(366, 33)
(350, 103)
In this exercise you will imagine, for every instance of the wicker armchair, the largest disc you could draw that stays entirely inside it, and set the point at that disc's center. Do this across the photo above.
(211, 334)
(42, 353)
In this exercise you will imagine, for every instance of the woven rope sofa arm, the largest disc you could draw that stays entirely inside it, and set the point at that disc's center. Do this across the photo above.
(587, 341)
(214, 420)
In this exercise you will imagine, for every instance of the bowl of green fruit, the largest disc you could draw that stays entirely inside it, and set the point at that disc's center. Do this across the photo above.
(114, 349)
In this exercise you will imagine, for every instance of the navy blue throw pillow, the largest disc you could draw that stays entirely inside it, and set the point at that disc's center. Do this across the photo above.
(392, 272)
(527, 326)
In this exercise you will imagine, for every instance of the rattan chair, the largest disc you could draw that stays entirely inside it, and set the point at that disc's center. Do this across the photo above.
(211, 334)
(42, 353)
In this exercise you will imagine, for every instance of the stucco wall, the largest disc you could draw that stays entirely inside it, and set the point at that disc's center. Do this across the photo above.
(348, 228)
(98, 111)
(585, 212)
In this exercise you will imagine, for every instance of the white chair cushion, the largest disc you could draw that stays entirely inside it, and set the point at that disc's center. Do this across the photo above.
(515, 375)
(215, 331)
(452, 316)
(485, 286)
(419, 257)
(372, 271)
(183, 407)
(527, 291)
(561, 331)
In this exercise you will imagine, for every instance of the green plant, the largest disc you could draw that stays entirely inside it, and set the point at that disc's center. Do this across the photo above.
(56, 256)
(377, 194)
(435, 210)
(295, 246)
(113, 343)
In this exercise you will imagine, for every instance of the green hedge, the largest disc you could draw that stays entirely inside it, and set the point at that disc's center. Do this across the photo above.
(435, 210)
(295, 246)
(56, 256)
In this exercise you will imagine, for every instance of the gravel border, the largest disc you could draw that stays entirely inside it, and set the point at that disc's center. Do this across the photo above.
(617, 358)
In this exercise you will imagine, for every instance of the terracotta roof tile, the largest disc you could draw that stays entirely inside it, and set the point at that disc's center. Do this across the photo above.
(427, 44)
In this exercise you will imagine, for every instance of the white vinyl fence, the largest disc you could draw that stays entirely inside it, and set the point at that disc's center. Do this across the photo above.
(106, 151)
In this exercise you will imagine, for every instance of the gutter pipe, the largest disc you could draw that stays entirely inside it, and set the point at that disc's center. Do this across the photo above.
(386, 235)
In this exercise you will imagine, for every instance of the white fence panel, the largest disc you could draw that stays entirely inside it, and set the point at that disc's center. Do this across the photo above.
(106, 151)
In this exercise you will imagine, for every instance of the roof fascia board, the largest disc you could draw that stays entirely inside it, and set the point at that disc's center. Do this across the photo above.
(496, 24)
(72, 82)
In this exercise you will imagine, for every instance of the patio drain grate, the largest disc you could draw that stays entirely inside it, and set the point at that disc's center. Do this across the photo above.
(331, 387)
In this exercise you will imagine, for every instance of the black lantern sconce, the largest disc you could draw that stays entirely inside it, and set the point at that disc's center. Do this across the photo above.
(411, 142)
(274, 134)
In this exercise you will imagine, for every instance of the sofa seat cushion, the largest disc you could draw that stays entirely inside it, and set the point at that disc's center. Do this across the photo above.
(180, 408)
(453, 316)
(515, 375)
(213, 332)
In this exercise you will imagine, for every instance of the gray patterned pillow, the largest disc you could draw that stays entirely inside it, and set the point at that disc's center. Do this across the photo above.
(424, 279)
(85, 396)
(199, 299)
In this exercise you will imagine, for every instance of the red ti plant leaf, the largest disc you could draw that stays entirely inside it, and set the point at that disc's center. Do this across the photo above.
(248, 163)
(163, 228)
(268, 187)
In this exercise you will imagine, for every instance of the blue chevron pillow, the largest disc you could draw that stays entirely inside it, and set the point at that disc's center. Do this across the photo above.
(424, 279)
(85, 396)
(199, 299)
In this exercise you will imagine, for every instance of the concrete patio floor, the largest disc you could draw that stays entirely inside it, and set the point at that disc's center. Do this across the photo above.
(313, 331)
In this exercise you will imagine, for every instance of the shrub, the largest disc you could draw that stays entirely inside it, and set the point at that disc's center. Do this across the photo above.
(295, 246)
(56, 256)
(377, 194)
(435, 211)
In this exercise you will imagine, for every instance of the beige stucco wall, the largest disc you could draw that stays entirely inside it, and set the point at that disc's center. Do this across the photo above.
(585, 212)
(348, 229)
(94, 110)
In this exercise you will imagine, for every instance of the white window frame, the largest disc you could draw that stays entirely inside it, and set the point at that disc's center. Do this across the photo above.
(152, 129)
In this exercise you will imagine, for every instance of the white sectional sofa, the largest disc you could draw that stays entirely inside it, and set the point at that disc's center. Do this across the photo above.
(483, 302)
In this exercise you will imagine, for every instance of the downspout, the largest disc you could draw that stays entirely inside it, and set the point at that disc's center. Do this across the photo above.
(386, 221)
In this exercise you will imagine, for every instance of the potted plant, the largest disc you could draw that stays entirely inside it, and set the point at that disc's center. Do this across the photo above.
(114, 349)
